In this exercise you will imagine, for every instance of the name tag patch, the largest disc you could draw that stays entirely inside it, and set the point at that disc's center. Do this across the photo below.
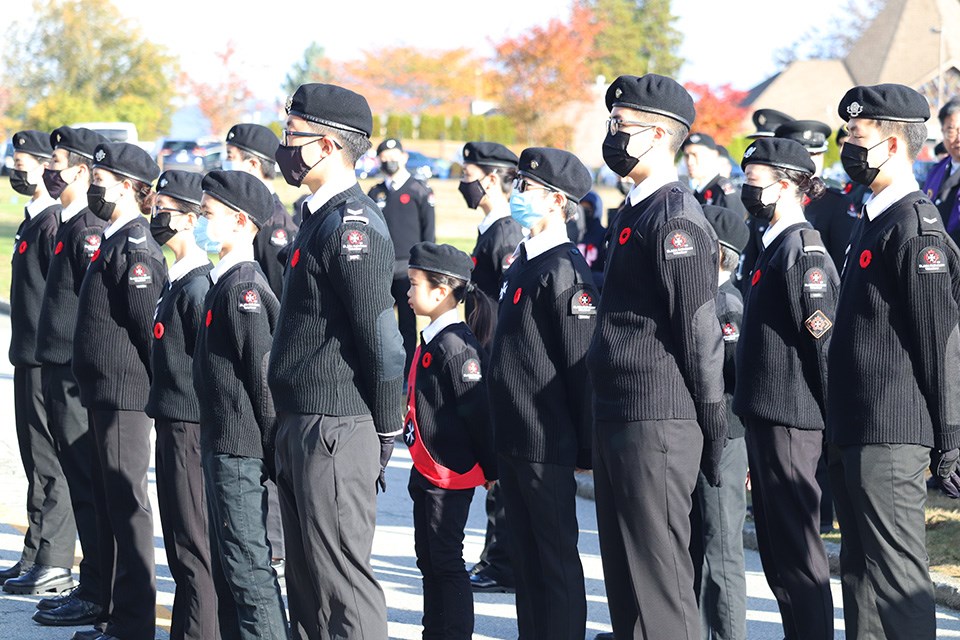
(139, 276)
(353, 244)
(678, 245)
(250, 301)
(470, 371)
(931, 260)
(815, 282)
(731, 332)
(582, 304)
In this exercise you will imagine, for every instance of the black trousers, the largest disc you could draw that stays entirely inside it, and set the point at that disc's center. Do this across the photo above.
(786, 508)
(71, 432)
(439, 518)
(186, 533)
(644, 476)
(542, 511)
(716, 546)
(51, 531)
(495, 557)
(826, 493)
(406, 318)
(327, 470)
(879, 492)
(126, 521)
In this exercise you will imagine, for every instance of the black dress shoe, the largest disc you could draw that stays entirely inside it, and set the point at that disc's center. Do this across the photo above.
(46, 604)
(481, 583)
(15, 571)
(74, 613)
(90, 634)
(40, 579)
(477, 568)
(604, 635)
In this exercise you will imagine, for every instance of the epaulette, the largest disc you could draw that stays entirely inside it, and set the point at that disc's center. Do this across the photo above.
(812, 242)
(928, 222)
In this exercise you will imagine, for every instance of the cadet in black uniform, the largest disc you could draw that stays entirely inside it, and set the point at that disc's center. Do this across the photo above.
(787, 317)
(540, 395)
(78, 238)
(942, 185)
(111, 362)
(718, 515)
(703, 163)
(48, 544)
(407, 206)
(889, 402)
(173, 406)
(657, 367)
(489, 170)
(448, 432)
(237, 416)
(335, 371)
(593, 245)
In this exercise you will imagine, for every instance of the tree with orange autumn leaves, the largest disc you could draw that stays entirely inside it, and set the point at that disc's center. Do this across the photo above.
(222, 102)
(719, 113)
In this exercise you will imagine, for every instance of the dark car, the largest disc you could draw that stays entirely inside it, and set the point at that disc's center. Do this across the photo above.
(424, 167)
(190, 155)
(7, 165)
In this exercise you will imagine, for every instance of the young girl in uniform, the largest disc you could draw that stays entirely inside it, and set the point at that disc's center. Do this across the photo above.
(447, 430)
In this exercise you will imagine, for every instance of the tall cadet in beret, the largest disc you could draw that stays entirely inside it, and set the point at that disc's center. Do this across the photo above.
(703, 159)
(51, 532)
(788, 314)
(942, 185)
(111, 361)
(78, 238)
(237, 415)
(174, 407)
(447, 430)
(251, 148)
(718, 513)
(336, 368)
(891, 409)
(657, 366)
(540, 394)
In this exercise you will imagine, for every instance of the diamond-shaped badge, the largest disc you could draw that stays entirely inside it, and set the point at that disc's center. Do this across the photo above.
(818, 324)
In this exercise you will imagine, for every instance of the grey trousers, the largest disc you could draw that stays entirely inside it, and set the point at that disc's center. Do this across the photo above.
(327, 470)
(879, 492)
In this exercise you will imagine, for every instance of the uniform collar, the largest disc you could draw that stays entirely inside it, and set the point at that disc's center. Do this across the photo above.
(448, 318)
(496, 214)
(243, 253)
(121, 222)
(36, 206)
(654, 181)
(724, 278)
(194, 259)
(325, 193)
(898, 189)
(788, 218)
(702, 186)
(396, 182)
(552, 236)
(72, 209)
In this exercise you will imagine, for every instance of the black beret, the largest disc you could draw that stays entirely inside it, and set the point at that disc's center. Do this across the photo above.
(653, 94)
(940, 149)
(766, 121)
(389, 143)
(489, 154)
(125, 159)
(884, 102)
(557, 169)
(331, 106)
(778, 152)
(182, 185)
(841, 133)
(441, 258)
(810, 133)
(241, 191)
(701, 139)
(731, 230)
(254, 138)
(80, 140)
(36, 143)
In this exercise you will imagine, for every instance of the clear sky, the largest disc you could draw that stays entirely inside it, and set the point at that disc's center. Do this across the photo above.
(724, 41)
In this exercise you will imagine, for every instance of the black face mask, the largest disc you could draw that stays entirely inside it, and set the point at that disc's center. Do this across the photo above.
(160, 227)
(97, 204)
(292, 166)
(615, 154)
(751, 197)
(20, 184)
(855, 163)
(54, 183)
(390, 167)
(472, 193)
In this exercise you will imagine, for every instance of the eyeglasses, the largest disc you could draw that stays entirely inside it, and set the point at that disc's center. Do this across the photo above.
(287, 136)
(523, 185)
(157, 210)
(615, 124)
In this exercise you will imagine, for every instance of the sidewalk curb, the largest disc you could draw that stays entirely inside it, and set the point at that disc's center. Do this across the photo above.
(946, 590)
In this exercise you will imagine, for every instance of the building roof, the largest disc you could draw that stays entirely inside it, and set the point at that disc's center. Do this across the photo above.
(806, 89)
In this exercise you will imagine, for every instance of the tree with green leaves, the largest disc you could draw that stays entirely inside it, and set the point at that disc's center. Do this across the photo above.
(313, 67)
(79, 60)
(634, 37)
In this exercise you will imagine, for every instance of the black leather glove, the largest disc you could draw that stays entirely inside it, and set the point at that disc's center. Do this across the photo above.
(386, 450)
(710, 460)
(943, 463)
(950, 487)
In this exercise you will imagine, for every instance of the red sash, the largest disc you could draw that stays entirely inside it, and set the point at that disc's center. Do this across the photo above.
(436, 473)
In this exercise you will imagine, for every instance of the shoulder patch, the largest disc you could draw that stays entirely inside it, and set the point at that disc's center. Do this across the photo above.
(506, 262)
(728, 188)
(139, 275)
(678, 244)
(355, 215)
(818, 324)
(582, 304)
(931, 260)
(249, 301)
(731, 332)
(815, 282)
(91, 243)
(354, 244)
(136, 241)
(279, 238)
(470, 371)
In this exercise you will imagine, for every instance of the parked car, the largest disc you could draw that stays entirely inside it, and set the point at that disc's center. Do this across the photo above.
(367, 165)
(7, 165)
(190, 155)
(424, 167)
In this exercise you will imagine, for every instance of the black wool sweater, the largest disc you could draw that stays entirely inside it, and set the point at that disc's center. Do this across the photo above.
(834, 215)
(539, 386)
(177, 321)
(77, 240)
(237, 415)
(453, 411)
(273, 238)
(895, 351)
(658, 350)
(493, 254)
(32, 252)
(409, 214)
(730, 315)
(788, 315)
(337, 350)
(111, 350)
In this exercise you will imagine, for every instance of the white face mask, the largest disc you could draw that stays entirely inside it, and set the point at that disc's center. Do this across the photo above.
(230, 165)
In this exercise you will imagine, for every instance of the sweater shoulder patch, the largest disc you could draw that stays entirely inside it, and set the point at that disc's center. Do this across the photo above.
(678, 244)
(731, 331)
(249, 301)
(931, 260)
(814, 282)
(583, 304)
(91, 242)
(139, 275)
(354, 244)
(470, 371)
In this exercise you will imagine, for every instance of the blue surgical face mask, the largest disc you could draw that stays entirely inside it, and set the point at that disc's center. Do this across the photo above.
(229, 165)
(522, 210)
(203, 240)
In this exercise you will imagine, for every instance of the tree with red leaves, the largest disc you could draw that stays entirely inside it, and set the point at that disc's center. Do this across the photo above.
(719, 113)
